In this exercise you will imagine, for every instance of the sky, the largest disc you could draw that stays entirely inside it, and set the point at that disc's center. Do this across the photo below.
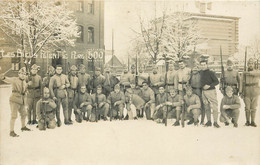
(123, 17)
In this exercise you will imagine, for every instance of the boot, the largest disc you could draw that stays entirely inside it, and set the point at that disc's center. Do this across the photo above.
(247, 123)
(58, 123)
(135, 118)
(208, 124)
(235, 125)
(105, 118)
(34, 122)
(13, 134)
(253, 124)
(177, 123)
(226, 123)
(190, 122)
(232, 121)
(164, 120)
(202, 123)
(25, 129)
(29, 122)
(216, 125)
(196, 123)
(126, 117)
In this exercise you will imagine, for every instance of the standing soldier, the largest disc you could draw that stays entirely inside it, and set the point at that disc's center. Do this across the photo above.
(99, 79)
(174, 103)
(84, 78)
(45, 109)
(142, 77)
(99, 100)
(209, 94)
(34, 94)
(171, 80)
(193, 106)
(161, 106)
(231, 78)
(72, 90)
(183, 77)
(46, 80)
(82, 104)
(195, 83)
(156, 80)
(58, 84)
(229, 107)
(17, 99)
(124, 81)
(132, 97)
(110, 82)
(117, 101)
(147, 95)
(132, 74)
(250, 92)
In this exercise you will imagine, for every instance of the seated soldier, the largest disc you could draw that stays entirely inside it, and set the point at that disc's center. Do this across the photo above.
(45, 110)
(174, 103)
(99, 102)
(117, 101)
(134, 103)
(193, 106)
(148, 95)
(229, 107)
(161, 106)
(82, 104)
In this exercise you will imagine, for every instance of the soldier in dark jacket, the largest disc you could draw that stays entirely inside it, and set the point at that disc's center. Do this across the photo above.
(46, 79)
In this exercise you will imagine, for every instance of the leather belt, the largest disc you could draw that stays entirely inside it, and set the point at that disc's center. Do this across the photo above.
(253, 84)
(18, 92)
(182, 82)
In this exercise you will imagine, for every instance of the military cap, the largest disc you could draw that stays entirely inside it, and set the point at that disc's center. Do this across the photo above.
(73, 68)
(173, 90)
(251, 60)
(144, 82)
(229, 62)
(117, 86)
(229, 88)
(51, 68)
(98, 69)
(34, 66)
(161, 87)
(22, 70)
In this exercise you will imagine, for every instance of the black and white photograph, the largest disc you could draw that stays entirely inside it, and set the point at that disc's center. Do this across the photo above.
(137, 82)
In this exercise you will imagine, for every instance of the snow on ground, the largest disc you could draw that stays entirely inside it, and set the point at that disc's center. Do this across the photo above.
(128, 143)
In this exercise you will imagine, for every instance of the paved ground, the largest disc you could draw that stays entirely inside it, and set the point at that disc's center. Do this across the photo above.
(128, 142)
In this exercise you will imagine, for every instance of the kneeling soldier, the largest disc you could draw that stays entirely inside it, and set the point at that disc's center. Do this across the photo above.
(82, 104)
(229, 107)
(161, 107)
(116, 99)
(99, 101)
(147, 95)
(45, 110)
(193, 104)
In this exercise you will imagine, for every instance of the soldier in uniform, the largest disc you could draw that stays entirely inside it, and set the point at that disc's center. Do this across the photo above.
(46, 80)
(142, 77)
(34, 94)
(156, 80)
(161, 106)
(72, 89)
(99, 101)
(82, 104)
(183, 77)
(195, 83)
(229, 107)
(58, 84)
(171, 78)
(132, 74)
(84, 78)
(110, 82)
(209, 94)
(231, 78)
(117, 101)
(193, 104)
(147, 95)
(17, 99)
(45, 109)
(250, 92)
(134, 103)
(99, 79)
(174, 103)
(124, 81)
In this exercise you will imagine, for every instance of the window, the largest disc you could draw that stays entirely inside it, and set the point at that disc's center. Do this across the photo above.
(80, 6)
(81, 33)
(91, 7)
(90, 35)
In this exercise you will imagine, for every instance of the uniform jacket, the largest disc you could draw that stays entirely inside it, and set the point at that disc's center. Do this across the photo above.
(74, 82)
(195, 81)
(251, 82)
(142, 77)
(124, 79)
(19, 88)
(233, 101)
(176, 100)
(101, 98)
(56, 82)
(172, 78)
(148, 95)
(84, 80)
(50, 107)
(82, 98)
(184, 74)
(161, 98)
(156, 79)
(192, 101)
(34, 90)
(114, 97)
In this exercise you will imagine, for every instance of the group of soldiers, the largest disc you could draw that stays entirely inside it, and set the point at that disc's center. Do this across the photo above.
(182, 93)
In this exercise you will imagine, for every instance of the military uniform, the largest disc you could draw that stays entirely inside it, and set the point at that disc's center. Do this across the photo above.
(33, 96)
(110, 82)
(156, 80)
(183, 77)
(102, 106)
(250, 92)
(119, 98)
(56, 85)
(174, 110)
(84, 79)
(149, 98)
(72, 90)
(47, 118)
(161, 108)
(193, 103)
(141, 78)
(124, 81)
(82, 104)
(171, 80)
(98, 81)
(46, 79)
